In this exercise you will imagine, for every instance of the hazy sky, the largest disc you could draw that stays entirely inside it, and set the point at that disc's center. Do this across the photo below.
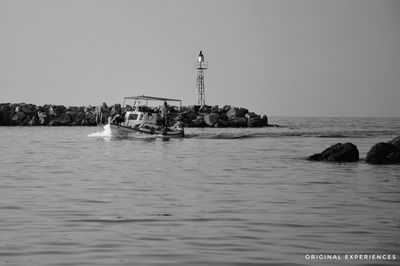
(328, 58)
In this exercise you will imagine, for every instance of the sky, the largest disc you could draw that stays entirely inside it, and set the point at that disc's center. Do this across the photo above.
(280, 58)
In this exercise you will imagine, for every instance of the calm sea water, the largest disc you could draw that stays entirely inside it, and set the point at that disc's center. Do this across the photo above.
(73, 196)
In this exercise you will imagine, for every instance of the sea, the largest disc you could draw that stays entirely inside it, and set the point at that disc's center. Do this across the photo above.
(223, 196)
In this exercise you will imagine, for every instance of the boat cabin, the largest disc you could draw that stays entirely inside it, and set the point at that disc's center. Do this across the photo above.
(140, 114)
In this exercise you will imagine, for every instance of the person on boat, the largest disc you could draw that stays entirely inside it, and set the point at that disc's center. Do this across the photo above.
(164, 114)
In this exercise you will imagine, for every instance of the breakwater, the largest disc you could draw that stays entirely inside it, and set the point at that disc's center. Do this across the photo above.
(22, 114)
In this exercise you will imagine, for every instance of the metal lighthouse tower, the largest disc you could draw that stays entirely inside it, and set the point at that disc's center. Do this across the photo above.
(201, 65)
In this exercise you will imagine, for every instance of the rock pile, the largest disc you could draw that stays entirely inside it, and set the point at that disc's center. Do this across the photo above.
(22, 114)
(227, 116)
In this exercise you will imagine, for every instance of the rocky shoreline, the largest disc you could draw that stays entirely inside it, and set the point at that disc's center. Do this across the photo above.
(22, 114)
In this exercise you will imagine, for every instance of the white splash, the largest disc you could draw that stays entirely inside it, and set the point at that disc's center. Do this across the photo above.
(106, 133)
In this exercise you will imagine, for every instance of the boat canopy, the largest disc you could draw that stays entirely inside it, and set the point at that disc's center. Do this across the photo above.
(150, 98)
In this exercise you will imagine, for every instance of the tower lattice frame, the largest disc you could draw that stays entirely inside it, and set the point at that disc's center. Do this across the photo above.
(201, 66)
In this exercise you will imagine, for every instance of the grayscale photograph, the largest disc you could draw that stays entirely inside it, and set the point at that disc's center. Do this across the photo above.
(214, 132)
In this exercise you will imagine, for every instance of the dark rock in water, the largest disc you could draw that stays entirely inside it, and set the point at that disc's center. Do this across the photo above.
(254, 121)
(214, 109)
(205, 109)
(232, 112)
(339, 152)
(46, 109)
(394, 158)
(28, 109)
(194, 108)
(116, 109)
(103, 107)
(242, 112)
(225, 108)
(264, 121)
(62, 120)
(18, 118)
(222, 116)
(34, 121)
(211, 119)
(198, 122)
(237, 122)
(84, 122)
(72, 113)
(102, 113)
(90, 118)
(42, 117)
(250, 115)
(57, 110)
(189, 114)
(382, 153)
(79, 118)
(395, 142)
(5, 114)
(221, 123)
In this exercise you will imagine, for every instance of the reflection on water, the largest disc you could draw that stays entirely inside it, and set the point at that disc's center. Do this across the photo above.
(70, 199)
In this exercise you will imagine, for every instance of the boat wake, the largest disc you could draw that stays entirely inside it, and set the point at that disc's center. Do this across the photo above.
(106, 133)
(224, 135)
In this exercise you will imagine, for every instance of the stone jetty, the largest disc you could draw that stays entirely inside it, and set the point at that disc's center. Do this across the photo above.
(22, 114)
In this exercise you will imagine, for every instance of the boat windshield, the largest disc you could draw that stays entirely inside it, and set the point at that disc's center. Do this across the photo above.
(133, 116)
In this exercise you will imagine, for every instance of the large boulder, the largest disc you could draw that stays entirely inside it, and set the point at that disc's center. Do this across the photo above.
(214, 109)
(5, 114)
(254, 121)
(339, 152)
(237, 122)
(264, 120)
(116, 109)
(225, 108)
(47, 108)
(221, 123)
(211, 119)
(198, 122)
(242, 112)
(90, 118)
(18, 118)
(85, 122)
(80, 116)
(58, 110)
(62, 120)
(34, 121)
(383, 153)
(205, 109)
(194, 108)
(28, 109)
(72, 113)
(42, 118)
(395, 142)
(232, 112)
(188, 116)
(250, 115)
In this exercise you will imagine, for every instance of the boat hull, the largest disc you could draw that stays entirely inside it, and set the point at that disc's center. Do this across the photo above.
(121, 130)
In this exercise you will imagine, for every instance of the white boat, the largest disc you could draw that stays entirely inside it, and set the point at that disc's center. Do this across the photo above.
(144, 119)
